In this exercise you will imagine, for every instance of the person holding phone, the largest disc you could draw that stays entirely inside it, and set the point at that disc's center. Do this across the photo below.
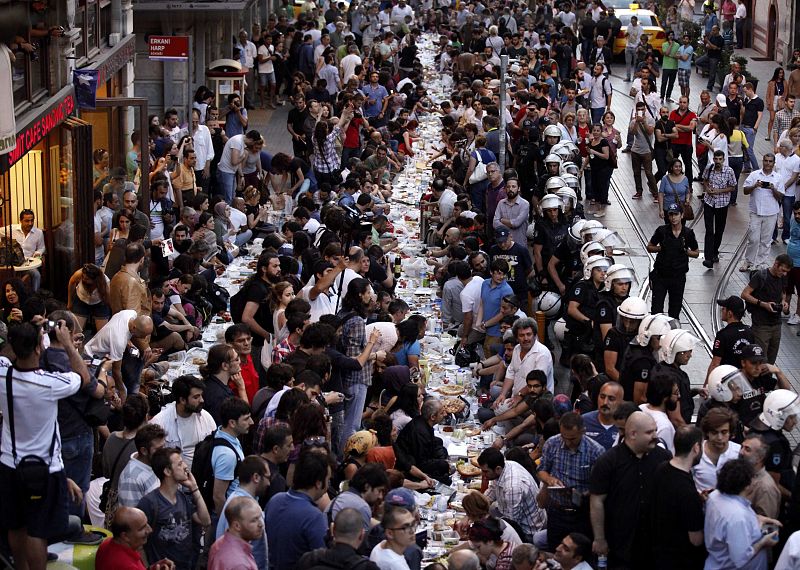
(767, 190)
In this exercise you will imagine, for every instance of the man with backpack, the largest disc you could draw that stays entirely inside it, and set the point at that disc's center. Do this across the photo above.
(348, 534)
(217, 458)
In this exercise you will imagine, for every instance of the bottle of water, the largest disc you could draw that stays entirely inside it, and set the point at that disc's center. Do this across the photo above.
(602, 562)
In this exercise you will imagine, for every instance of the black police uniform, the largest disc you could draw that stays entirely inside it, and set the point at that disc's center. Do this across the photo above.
(752, 402)
(549, 235)
(570, 268)
(579, 336)
(779, 454)
(637, 362)
(729, 342)
(670, 267)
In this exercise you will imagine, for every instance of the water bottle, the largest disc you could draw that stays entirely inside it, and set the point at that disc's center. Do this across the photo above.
(425, 281)
(602, 561)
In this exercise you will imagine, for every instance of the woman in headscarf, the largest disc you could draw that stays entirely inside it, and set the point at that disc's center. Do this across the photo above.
(224, 228)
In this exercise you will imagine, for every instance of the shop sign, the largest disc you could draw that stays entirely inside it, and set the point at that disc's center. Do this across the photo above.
(55, 114)
(118, 56)
(169, 48)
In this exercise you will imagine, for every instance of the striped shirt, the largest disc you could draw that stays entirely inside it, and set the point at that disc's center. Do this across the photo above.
(571, 467)
(136, 480)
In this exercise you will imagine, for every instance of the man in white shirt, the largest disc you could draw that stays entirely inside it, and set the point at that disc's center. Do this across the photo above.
(247, 57)
(662, 397)
(399, 526)
(787, 164)
(203, 150)
(400, 12)
(529, 354)
(266, 72)
(112, 342)
(349, 62)
(317, 293)
(185, 422)
(766, 189)
(470, 297)
(31, 239)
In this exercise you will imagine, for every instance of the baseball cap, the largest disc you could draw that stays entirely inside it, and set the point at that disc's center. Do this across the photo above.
(733, 303)
(494, 84)
(401, 497)
(501, 234)
(673, 208)
(753, 353)
(721, 101)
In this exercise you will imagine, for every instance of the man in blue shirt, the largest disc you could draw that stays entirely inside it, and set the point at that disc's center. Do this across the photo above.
(377, 101)
(600, 424)
(295, 525)
(236, 421)
(492, 292)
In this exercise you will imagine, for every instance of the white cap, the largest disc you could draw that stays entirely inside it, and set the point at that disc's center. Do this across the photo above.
(721, 101)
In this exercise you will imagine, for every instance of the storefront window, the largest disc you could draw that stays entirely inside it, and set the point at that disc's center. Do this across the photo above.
(105, 20)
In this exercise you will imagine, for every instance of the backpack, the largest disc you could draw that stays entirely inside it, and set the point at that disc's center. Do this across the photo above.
(502, 27)
(202, 469)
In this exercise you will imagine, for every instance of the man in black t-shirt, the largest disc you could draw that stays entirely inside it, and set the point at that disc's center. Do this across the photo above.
(676, 509)
(674, 244)
(294, 124)
(765, 295)
(728, 343)
(518, 258)
(751, 119)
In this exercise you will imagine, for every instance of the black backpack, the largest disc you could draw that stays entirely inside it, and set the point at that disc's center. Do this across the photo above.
(202, 469)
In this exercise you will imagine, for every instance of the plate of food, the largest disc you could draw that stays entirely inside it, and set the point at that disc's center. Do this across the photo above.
(453, 405)
(451, 390)
(468, 470)
(472, 431)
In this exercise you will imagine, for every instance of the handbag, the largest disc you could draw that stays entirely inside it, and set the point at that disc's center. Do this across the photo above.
(11, 253)
(479, 174)
(32, 472)
(688, 212)
(108, 497)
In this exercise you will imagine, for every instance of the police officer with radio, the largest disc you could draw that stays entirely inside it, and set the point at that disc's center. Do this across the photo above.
(674, 244)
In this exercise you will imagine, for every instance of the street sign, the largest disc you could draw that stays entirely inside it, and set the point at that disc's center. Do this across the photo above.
(169, 48)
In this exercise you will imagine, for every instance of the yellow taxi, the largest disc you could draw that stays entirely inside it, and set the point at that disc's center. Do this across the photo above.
(652, 27)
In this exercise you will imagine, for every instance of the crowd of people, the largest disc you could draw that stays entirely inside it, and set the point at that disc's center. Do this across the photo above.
(306, 434)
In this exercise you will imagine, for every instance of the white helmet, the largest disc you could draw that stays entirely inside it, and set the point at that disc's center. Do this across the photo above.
(560, 329)
(589, 229)
(609, 238)
(630, 314)
(591, 249)
(726, 381)
(675, 341)
(553, 158)
(562, 151)
(619, 272)
(571, 146)
(552, 131)
(575, 230)
(596, 262)
(779, 406)
(568, 196)
(554, 183)
(571, 179)
(551, 202)
(657, 324)
(548, 302)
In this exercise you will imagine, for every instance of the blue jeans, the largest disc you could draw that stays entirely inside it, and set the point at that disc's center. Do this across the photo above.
(355, 397)
(788, 202)
(736, 163)
(750, 135)
(77, 452)
(132, 371)
(243, 237)
(597, 114)
(227, 185)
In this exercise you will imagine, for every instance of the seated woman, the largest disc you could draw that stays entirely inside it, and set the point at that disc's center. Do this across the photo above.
(476, 506)
(410, 332)
(14, 296)
(224, 228)
(87, 296)
(176, 291)
(355, 453)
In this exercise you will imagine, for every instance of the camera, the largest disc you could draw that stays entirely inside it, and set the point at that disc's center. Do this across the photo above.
(48, 326)
(764, 184)
(94, 366)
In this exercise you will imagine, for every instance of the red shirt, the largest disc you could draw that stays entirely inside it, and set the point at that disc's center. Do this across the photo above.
(351, 135)
(684, 137)
(114, 556)
(250, 377)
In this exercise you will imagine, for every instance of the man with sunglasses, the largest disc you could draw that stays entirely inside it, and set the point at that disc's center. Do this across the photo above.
(400, 527)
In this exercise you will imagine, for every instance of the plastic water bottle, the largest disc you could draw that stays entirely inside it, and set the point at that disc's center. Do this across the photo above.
(602, 561)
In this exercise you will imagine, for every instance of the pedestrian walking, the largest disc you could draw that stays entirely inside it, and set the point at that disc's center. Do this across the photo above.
(641, 127)
(719, 182)
(674, 244)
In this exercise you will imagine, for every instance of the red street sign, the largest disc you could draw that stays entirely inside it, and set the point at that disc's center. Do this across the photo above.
(169, 48)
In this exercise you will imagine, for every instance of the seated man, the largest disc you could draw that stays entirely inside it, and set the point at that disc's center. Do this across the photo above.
(420, 454)
(31, 239)
(171, 330)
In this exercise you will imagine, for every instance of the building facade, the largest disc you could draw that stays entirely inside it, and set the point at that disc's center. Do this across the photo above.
(775, 27)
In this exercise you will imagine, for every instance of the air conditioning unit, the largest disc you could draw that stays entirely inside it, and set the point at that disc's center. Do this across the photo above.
(113, 39)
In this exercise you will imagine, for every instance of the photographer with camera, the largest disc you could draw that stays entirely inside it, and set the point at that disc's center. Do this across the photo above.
(77, 414)
(33, 482)
(766, 187)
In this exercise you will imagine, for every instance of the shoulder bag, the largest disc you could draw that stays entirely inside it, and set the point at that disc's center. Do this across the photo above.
(688, 212)
(32, 472)
(479, 174)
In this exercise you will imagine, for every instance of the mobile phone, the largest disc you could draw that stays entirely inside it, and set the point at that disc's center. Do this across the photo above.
(764, 184)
